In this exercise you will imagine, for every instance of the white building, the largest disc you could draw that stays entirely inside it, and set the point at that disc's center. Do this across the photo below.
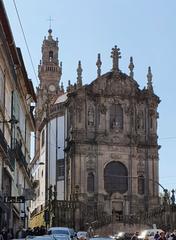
(48, 162)
(16, 124)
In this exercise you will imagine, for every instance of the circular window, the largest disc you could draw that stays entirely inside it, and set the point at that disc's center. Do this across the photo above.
(115, 177)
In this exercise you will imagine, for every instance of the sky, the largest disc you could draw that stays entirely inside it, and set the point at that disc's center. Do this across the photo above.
(143, 29)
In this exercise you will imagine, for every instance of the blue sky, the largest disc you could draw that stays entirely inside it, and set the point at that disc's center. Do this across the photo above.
(143, 29)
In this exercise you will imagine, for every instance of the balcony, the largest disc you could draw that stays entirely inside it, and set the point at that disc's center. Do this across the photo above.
(11, 157)
(3, 142)
(20, 156)
(59, 107)
(8, 152)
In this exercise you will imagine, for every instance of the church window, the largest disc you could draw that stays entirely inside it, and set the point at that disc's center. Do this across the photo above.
(79, 115)
(90, 182)
(70, 117)
(1, 88)
(98, 115)
(43, 137)
(60, 169)
(141, 184)
(50, 56)
(116, 116)
(151, 122)
(116, 177)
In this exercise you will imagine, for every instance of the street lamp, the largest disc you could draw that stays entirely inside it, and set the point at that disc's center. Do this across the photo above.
(32, 165)
(13, 120)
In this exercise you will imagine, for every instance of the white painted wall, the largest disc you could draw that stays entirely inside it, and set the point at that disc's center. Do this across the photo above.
(52, 152)
(56, 139)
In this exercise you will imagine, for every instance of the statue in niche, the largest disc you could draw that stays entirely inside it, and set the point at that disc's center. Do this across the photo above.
(140, 120)
(103, 109)
(141, 167)
(91, 116)
(79, 114)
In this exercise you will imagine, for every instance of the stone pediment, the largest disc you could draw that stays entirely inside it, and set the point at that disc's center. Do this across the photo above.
(117, 84)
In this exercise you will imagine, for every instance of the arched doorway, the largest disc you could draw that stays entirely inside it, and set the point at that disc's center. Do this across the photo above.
(116, 181)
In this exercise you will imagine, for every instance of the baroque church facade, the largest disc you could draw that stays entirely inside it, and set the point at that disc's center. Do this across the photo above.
(98, 141)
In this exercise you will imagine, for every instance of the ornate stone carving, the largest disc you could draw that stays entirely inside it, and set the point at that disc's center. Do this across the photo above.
(141, 168)
(90, 162)
(115, 139)
(91, 116)
(102, 108)
(115, 156)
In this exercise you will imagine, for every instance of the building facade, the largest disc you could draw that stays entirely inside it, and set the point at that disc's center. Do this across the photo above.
(98, 141)
(16, 124)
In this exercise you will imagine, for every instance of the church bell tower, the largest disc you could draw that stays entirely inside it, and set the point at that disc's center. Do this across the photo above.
(49, 70)
(49, 73)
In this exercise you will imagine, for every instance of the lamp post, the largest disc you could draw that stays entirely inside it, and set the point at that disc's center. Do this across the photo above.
(141, 214)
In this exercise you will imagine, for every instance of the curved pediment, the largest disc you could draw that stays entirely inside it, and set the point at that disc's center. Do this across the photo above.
(116, 84)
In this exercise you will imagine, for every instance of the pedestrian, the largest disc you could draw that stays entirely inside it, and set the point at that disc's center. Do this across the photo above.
(9, 234)
(135, 236)
(156, 236)
(173, 235)
(162, 236)
(4, 233)
(1, 236)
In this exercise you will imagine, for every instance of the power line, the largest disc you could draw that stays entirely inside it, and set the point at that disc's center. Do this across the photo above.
(25, 40)
(166, 138)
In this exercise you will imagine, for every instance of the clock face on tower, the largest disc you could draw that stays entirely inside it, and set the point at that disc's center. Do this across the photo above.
(52, 88)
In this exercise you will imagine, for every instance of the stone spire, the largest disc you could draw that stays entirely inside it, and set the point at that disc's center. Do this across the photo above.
(149, 80)
(79, 75)
(61, 68)
(99, 63)
(62, 87)
(115, 54)
(69, 86)
(131, 67)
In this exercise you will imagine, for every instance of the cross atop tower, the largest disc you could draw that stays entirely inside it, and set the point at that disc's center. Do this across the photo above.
(50, 20)
(115, 54)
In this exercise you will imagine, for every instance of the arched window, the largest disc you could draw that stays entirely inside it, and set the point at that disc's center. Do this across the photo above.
(50, 55)
(141, 184)
(90, 182)
(116, 116)
(116, 177)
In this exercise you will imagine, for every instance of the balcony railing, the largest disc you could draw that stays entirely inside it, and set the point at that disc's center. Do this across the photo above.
(11, 157)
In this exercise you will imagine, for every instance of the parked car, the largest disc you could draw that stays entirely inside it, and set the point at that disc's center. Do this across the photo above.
(62, 230)
(100, 238)
(123, 236)
(82, 234)
(61, 237)
(149, 234)
(44, 237)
